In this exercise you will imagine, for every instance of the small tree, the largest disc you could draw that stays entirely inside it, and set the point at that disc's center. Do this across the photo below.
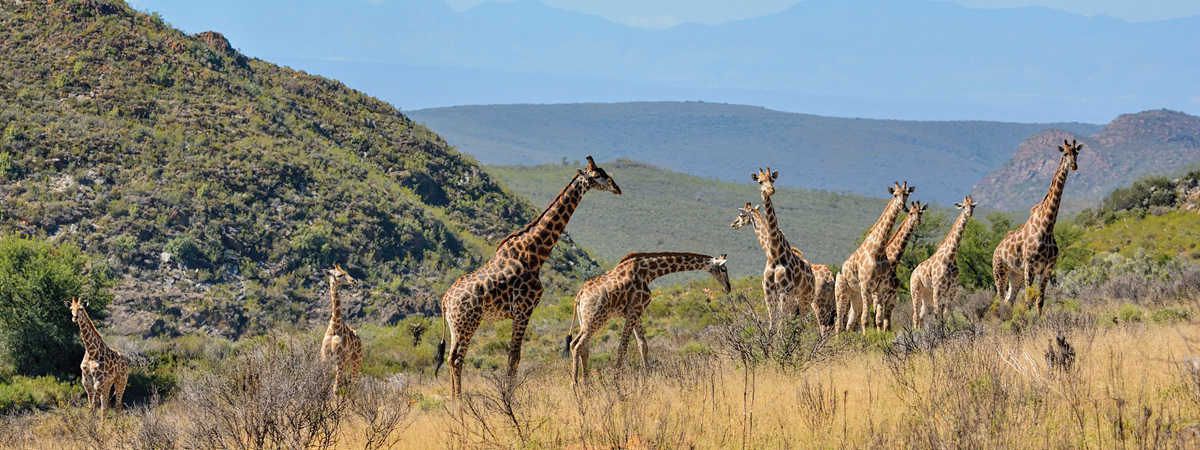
(37, 336)
(975, 250)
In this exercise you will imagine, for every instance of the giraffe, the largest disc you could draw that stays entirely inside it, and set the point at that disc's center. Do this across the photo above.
(508, 286)
(895, 249)
(823, 298)
(866, 269)
(103, 368)
(341, 345)
(787, 277)
(934, 278)
(624, 291)
(1030, 250)
(822, 292)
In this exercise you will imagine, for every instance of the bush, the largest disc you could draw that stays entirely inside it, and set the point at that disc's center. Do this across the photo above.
(1130, 313)
(1171, 314)
(36, 331)
(24, 393)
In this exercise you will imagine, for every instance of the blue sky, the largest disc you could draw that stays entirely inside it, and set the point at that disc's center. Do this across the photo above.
(664, 13)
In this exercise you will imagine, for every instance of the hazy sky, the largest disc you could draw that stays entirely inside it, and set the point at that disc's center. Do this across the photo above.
(664, 13)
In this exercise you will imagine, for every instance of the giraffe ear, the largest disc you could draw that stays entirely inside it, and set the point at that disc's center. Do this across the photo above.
(958, 205)
(67, 303)
(774, 175)
(591, 165)
(891, 190)
(754, 176)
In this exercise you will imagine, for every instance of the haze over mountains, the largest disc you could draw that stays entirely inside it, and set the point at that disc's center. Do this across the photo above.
(907, 59)
(944, 159)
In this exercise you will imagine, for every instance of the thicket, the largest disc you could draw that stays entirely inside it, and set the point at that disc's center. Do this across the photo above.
(194, 168)
(37, 336)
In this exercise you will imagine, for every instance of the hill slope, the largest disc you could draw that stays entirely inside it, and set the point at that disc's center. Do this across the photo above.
(944, 159)
(1132, 145)
(219, 186)
(661, 209)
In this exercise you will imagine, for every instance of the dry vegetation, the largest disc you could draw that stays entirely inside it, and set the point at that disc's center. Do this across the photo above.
(972, 383)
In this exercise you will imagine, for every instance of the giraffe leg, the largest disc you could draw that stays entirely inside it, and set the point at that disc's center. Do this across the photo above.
(514, 345)
(768, 294)
(460, 337)
(868, 298)
(105, 390)
(1041, 294)
(579, 354)
(937, 304)
(1000, 277)
(639, 332)
(623, 344)
(840, 302)
(89, 387)
(119, 388)
(1025, 298)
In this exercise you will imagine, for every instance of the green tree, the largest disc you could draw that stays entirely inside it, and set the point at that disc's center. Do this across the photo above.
(975, 250)
(37, 336)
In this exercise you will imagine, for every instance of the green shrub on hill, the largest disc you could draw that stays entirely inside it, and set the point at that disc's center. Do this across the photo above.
(133, 139)
(36, 331)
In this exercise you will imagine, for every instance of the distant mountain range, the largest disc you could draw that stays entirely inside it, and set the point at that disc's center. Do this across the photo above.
(943, 159)
(1150, 142)
(910, 59)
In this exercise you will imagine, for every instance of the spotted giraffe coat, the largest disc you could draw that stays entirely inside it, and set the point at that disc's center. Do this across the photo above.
(624, 292)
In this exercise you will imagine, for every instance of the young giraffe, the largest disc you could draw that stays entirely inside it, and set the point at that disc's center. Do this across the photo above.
(934, 278)
(823, 297)
(895, 249)
(787, 277)
(103, 368)
(624, 291)
(751, 216)
(865, 271)
(1030, 250)
(508, 286)
(341, 345)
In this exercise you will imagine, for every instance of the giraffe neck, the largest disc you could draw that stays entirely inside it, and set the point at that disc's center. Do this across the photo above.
(776, 245)
(1047, 211)
(875, 243)
(899, 239)
(948, 249)
(532, 244)
(92, 342)
(335, 304)
(654, 265)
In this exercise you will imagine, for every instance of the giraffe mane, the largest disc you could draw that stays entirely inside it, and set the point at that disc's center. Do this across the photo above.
(537, 219)
(632, 255)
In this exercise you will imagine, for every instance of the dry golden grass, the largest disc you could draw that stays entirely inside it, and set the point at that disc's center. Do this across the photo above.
(1132, 386)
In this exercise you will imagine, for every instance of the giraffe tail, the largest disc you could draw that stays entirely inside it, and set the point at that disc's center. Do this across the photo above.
(440, 356)
(567, 343)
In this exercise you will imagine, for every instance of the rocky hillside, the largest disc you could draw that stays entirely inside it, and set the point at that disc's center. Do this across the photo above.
(1132, 145)
(217, 186)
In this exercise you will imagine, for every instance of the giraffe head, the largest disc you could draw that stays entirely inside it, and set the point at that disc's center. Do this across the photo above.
(900, 192)
(967, 205)
(745, 217)
(340, 276)
(766, 180)
(597, 178)
(916, 210)
(1070, 150)
(716, 267)
(78, 308)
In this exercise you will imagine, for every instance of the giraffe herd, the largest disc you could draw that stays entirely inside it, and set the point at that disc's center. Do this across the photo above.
(507, 286)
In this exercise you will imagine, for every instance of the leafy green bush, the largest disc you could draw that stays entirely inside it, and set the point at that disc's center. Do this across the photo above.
(24, 393)
(1170, 315)
(975, 251)
(35, 326)
(1130, 313)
